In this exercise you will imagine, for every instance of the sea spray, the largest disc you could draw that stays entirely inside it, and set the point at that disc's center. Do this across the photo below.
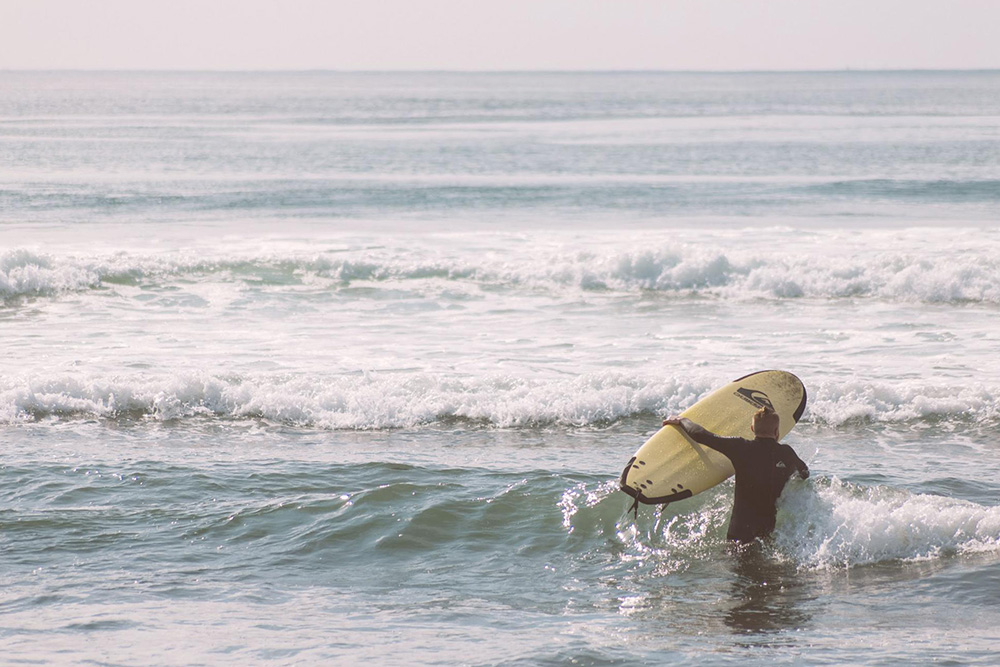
(829, 523)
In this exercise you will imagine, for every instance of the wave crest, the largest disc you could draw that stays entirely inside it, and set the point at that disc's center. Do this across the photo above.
(363, 401)
(965, 277)
(830, 524)
(369, 401)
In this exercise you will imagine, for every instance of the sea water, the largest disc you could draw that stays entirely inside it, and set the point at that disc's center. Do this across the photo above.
(328, 367)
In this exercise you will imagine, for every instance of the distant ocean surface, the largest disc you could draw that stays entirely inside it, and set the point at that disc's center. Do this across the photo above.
(306, 368)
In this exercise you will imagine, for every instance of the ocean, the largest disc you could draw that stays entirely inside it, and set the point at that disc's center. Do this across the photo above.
(321, 367)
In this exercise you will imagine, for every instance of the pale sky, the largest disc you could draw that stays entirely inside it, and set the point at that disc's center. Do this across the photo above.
(500, 34)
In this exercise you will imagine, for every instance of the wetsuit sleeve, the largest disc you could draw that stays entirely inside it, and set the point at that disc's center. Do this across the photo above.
(702, 436)
(792, 460)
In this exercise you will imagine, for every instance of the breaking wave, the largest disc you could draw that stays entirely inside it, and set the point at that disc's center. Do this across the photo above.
(968, 276)
(830, 524)
(371, 401)
(822, 524)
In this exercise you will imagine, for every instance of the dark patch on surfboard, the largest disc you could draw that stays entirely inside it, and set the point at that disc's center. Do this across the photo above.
(802, 404)
(754, 397)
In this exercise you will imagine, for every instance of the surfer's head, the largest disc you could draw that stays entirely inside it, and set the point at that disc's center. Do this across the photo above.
(765, 423)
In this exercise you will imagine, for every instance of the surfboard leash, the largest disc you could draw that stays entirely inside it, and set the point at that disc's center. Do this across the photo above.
(634, 509)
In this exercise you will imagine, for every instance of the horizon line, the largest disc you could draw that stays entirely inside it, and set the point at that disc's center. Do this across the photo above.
(326, 70)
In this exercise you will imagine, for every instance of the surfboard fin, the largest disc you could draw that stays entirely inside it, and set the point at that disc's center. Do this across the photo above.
(634, 509)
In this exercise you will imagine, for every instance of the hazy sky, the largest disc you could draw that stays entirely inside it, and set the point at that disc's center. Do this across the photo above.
(499, 34)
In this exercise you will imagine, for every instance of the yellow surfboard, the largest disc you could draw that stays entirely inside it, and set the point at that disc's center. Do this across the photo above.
(671, 466)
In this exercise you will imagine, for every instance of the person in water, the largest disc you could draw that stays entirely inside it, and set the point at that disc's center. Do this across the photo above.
(763, 465)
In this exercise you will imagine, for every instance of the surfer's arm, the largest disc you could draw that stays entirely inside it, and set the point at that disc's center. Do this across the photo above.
(800, 465)
(705, 437)
(793, 461)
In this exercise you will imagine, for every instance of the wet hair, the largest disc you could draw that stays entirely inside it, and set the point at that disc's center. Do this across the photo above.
(766, 419)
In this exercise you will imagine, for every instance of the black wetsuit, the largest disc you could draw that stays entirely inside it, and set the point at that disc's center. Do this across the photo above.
(763, 465)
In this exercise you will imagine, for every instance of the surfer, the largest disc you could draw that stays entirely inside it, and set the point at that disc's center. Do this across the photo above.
(762, 465)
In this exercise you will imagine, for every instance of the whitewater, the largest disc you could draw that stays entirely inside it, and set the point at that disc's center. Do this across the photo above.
(317, 367)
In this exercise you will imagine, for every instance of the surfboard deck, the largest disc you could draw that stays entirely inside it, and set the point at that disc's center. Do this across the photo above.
(670, 466)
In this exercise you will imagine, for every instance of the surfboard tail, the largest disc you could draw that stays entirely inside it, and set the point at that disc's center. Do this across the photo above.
(633, 486)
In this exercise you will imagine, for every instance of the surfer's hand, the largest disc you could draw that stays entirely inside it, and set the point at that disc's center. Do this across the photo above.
(672, 421)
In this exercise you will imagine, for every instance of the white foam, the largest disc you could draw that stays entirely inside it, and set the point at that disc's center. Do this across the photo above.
(720, 268)
(26, 272)
(901, 401)
(831, 524)
(369, 401)
(401, 400)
